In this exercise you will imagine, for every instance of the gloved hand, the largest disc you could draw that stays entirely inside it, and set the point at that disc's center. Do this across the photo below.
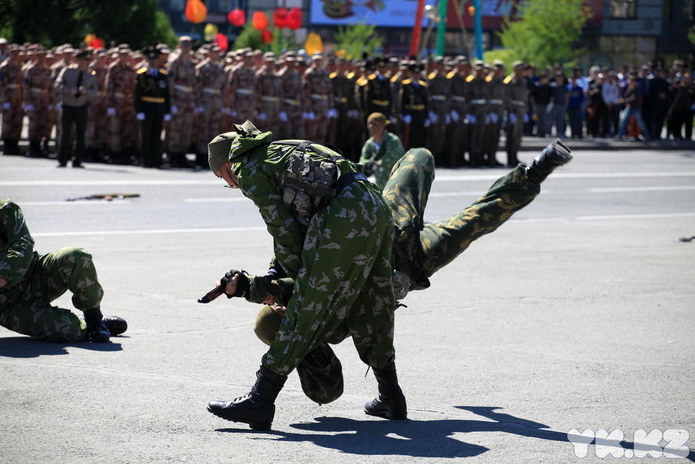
(233, 113)
(174, 109)
(199, 109)
(470, 119)
(332, 113)
(283, 116)
(353, 114)
(550, 107)
(167, 117)
(428, 123)
(6, 106)
(140, 116)
(455, 115)
(242, 283)
(447, 120)
(59, 105)
(29, 107)
(263, 116)
(311, 115)
(408, 119)
(525, 118)
(494, 118)
(111, 112)
(512, 118)
(225, 110)
(305, 115)
(433, 117)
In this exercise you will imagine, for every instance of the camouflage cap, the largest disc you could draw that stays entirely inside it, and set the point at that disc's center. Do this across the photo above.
(218, 150)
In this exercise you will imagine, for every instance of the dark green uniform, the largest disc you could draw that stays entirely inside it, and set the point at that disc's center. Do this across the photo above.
(33, 281)
(340, 260)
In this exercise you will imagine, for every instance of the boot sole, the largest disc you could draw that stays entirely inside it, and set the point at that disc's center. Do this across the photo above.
(399, 415)
(263, 426)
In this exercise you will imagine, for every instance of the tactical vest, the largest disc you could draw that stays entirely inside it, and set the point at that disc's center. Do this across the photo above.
(308, 185)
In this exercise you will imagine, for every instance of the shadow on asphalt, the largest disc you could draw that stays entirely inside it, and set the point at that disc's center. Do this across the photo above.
(430, 439)
(26, 347)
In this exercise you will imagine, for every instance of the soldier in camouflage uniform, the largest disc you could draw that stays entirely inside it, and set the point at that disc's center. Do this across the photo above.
(11, 96)
(316, 206)
(419, 249)
(269, 90)
(29, 282)
(97, 137)
(241, 94)
(211, 82)
(120, 85)
(37, 99)
(517, 99)
(292, 104)
(495, 117)
(182, 85)
(439, 94)
(476, 98)
(459, 138)
(318, 93)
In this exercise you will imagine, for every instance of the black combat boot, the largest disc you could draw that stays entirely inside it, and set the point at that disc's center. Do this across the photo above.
(256, 408)
(390, 404)
(115, 325)
(554, 155)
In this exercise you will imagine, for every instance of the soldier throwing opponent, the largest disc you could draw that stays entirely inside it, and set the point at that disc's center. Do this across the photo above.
(419, 249)
(29, 282)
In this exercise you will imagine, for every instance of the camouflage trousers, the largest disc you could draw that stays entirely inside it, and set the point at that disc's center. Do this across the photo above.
(345, 278)
(422, 249)
(12, 119)
(28, 310)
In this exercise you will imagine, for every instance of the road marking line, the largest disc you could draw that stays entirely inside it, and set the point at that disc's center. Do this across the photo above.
(249, 229)
(641, 189)
(556, 175)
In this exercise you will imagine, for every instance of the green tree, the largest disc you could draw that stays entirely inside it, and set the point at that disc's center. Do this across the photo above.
(355, 39)
(547, 32)
(53, 22)
(249, 37)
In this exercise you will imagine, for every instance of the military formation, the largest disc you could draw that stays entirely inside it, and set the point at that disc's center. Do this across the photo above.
(455, 108)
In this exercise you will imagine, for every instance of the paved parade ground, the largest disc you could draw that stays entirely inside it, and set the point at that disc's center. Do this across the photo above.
(574, 320)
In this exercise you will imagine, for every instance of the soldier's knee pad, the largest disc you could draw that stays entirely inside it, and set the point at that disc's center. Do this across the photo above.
(267, 324)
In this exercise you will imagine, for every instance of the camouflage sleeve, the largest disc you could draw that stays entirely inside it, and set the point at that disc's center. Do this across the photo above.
(16, 244)
(393, 150)
(262, 188)
(262, 287)
(368, 151)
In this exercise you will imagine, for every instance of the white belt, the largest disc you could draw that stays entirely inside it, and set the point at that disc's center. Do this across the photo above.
(438, 97)
(496, 102)
(183, 88)
(35, 90)
(270, 99)
(119, 94)
(479, 101)
(211, 90)
(458, 99)
(316, 96)
(292, 102)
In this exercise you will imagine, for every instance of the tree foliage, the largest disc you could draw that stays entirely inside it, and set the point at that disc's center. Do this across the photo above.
(53, 22)
(547, 31)
(250, 37)
(355, 39)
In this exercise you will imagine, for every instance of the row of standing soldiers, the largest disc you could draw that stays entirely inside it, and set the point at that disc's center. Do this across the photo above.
(453, 108)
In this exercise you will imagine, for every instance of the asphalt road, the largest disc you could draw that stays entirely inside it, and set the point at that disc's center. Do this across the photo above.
(573, 320)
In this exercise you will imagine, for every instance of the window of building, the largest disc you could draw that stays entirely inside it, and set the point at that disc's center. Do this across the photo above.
(623, 9)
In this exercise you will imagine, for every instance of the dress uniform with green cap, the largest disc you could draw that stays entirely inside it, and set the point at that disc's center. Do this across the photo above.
(332, 234)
